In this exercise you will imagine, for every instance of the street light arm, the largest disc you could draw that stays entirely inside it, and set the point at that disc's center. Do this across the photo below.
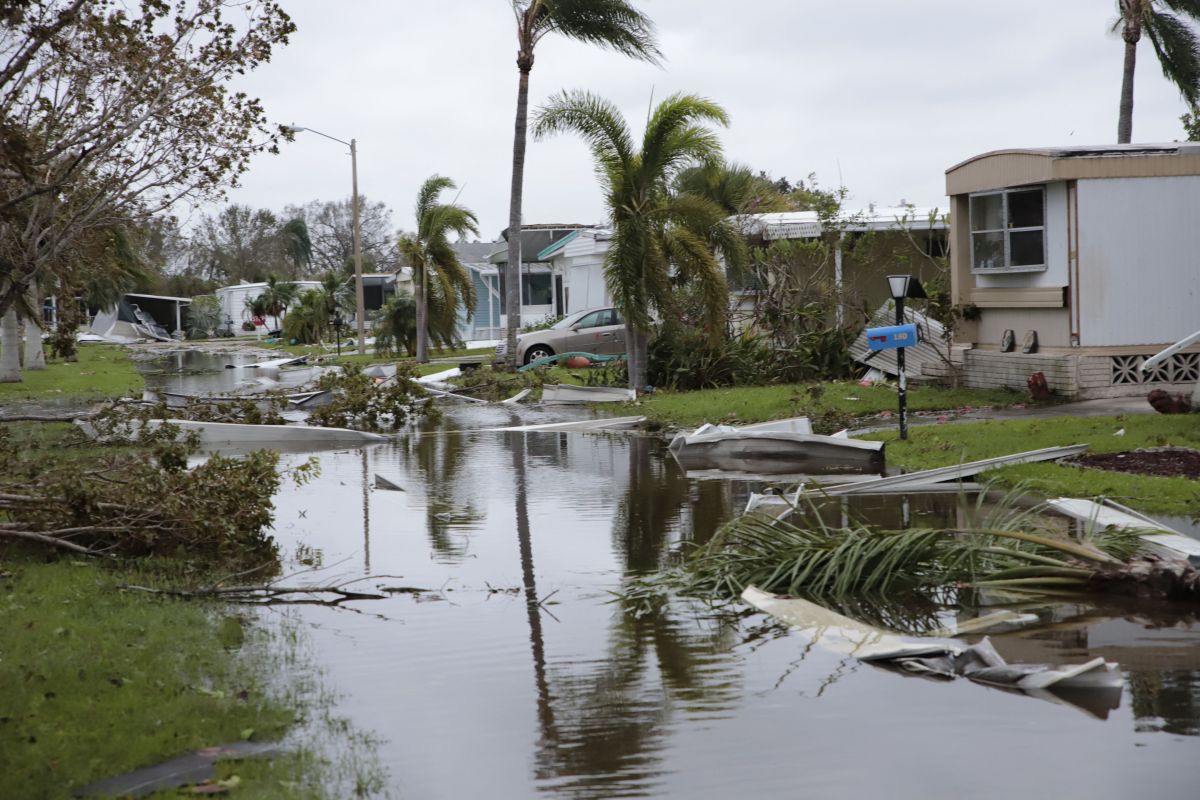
(293, 128)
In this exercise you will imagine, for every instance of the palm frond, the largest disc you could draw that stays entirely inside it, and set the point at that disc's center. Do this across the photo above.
(1178, 51)
(597, 121)
(611, 24)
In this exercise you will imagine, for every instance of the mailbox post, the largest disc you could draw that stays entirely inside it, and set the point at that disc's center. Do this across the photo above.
(903, 286)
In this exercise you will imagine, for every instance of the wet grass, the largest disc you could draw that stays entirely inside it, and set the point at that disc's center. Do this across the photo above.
(96, 682)
(942, 445)
(103, 371)
(831, 405)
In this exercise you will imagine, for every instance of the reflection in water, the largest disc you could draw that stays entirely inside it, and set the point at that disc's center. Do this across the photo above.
(366, 492)
(533, 609)
(451, 507)
(668, 704)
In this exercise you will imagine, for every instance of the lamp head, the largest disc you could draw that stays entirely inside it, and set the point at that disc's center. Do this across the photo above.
(294, 128)
(905, 286)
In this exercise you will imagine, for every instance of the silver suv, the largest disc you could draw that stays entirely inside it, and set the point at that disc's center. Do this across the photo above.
(595, 330)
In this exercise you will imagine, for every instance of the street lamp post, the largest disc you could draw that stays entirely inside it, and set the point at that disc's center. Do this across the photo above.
(360, 313)
(903, 286)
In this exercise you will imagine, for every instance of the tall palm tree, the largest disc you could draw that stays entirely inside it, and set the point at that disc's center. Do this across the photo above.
(297, 245)
(1175, 43)
(660, 238)
(614, 24)
(440, 281)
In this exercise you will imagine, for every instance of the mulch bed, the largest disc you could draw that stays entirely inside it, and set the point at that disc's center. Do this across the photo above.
(1166, 462)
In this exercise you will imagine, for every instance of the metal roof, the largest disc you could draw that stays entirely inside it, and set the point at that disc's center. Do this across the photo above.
(807, 224)
(159, 297)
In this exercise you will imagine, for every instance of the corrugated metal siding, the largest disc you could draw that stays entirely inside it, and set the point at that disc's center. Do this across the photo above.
(931, 350)
(1139, 260)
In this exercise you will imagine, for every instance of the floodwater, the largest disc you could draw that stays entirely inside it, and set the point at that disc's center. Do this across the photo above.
(515, 676)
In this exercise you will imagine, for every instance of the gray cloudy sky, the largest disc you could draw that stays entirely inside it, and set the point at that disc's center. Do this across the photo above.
(879, 95)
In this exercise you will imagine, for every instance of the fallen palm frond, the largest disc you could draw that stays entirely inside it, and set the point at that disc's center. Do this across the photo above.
(852, 565)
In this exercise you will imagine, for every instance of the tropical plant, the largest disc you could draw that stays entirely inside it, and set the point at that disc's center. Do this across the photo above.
(1175, 43)
(296, 245)
(440, 281)
(734, 187)
(277, 296)
(612, 24)
(661, 239)
(204, 317)
(308, 320)
(396, 325)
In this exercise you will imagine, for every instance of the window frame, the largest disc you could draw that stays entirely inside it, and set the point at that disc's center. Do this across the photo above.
(1007, 231)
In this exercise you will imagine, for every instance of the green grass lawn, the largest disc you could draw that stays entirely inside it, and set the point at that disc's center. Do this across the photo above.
(103, 371)
(96, 682)
(831, 404)
(942, 445)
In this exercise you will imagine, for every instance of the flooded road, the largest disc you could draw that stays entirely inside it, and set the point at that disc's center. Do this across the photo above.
(515, 675)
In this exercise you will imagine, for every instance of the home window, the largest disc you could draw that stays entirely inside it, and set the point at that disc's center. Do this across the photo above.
(1008, 230)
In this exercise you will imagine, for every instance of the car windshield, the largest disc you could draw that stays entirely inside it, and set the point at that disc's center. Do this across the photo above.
(570, 320)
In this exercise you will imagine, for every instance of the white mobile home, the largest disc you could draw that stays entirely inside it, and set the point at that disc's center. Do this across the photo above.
(233, 303)
(1090, 256)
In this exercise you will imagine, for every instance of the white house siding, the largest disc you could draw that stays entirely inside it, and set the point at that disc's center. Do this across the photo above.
(1139, 260)
(232, 300)
(585, 285)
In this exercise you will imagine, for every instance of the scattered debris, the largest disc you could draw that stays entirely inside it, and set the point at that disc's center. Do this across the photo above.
(564, 393)
(1095, 516)
(1094, 686)
(598, 424)
(275, 362)
(383, 483)
(955, 472)
(766, 450)
(197, 767)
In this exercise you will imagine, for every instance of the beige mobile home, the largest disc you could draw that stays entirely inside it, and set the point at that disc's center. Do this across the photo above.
(1093, 251)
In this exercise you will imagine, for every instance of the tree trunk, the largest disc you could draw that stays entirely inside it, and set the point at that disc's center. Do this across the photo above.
(35, 355)
(512, 270)
(636, 356)
(1131, 34)
(10, 347)
(422, 316)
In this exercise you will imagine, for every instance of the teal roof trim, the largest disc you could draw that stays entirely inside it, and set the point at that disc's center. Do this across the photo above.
(554, 248)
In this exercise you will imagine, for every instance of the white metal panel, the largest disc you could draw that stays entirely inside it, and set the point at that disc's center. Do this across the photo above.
(1139, 260)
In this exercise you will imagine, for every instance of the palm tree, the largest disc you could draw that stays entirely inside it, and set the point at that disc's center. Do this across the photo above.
(614, 24)
(277, 296)
(660, 238)
(735, 188)
(296, 245)
(396, 325)
(308, 319)
(1175, 44)
(440, 281)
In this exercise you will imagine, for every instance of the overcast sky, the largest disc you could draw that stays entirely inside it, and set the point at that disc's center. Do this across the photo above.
(876, 95)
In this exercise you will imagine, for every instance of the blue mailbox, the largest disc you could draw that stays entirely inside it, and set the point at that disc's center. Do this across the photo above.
(891, 337)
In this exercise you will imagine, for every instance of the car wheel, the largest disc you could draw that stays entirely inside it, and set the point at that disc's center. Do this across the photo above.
(537, 351)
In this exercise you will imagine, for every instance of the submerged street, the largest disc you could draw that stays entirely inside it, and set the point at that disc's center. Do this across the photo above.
(513, 672)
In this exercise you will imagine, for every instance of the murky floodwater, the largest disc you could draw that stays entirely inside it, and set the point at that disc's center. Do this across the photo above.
(517, 677)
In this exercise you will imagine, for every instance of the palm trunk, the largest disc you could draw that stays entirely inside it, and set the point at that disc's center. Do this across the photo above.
(35, 356)
(422, 317)
(1131, 35)
(512, 270)
(10, 347)
(636, 356)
